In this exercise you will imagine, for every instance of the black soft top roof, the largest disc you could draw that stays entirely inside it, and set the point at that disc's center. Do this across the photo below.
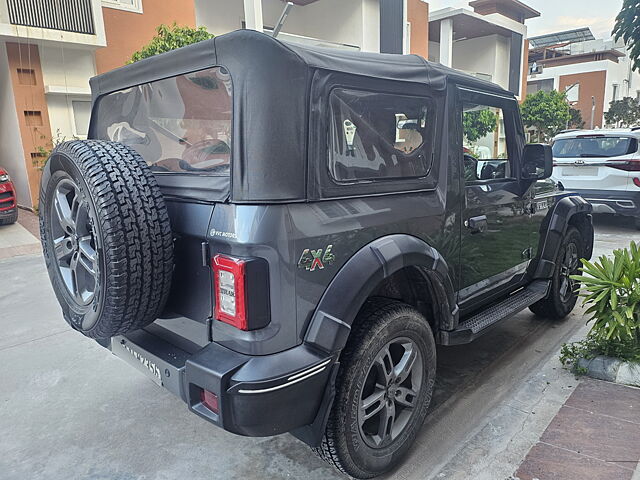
(403, 68)
(271, 83)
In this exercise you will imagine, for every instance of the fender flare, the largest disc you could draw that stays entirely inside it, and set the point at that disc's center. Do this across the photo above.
(331, 322)
(556, 227)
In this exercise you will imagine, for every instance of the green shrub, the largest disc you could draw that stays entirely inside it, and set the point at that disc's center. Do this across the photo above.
(611, 290)
(169, 38)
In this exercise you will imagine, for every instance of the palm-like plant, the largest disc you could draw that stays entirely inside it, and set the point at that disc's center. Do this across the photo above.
(611, 288)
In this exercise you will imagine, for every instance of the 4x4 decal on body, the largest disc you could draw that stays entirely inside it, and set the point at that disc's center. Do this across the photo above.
(312, 259)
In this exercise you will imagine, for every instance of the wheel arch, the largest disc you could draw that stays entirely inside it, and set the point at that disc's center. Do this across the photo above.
(370, 270)
(571, 210)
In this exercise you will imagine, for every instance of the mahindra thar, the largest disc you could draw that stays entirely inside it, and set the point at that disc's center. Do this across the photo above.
(281, 235)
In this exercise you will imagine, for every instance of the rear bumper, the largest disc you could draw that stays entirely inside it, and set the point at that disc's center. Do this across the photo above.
(257, 395)
(613, 201)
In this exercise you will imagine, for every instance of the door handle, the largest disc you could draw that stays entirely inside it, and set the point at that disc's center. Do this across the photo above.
(477, 224)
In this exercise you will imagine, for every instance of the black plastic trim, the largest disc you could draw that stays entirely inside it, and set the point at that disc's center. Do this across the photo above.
(363, 272)
(556, 225)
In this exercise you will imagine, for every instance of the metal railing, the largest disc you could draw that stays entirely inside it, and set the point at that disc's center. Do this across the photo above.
(66, 15)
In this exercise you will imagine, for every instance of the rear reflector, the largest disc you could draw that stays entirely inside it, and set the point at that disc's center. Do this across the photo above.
(209, 400)
(229, 285)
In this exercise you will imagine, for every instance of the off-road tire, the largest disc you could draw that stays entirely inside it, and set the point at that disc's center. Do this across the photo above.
(130, 233)
(342, 445)
(553, 306)
(10, 219)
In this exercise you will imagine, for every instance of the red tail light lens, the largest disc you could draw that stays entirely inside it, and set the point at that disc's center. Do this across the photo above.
(636, 182)
(209, 400)
(229, 285)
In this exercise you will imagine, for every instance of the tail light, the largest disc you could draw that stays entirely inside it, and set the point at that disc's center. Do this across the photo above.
(636, 182)
(627, 166)
(241, 291)
(229, 282)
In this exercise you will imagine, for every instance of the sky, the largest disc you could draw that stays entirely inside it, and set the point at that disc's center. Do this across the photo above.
(558, 15)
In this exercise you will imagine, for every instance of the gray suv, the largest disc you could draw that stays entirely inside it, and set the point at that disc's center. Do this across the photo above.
(280, 235)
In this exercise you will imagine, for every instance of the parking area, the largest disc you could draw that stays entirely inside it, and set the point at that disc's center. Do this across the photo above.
(69, 409)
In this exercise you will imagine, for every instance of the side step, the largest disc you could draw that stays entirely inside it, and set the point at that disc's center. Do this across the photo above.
(480, 323)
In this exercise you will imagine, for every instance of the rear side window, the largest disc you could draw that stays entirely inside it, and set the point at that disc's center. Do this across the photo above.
(179, 125)
(594, 147)
(378, 136)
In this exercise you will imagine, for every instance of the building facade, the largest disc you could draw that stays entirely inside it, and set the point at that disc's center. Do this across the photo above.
(488, 42)
(593, 72)
(49, 49)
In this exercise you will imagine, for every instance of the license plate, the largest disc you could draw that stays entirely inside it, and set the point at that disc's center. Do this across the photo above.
(580, 172)
(137, 358)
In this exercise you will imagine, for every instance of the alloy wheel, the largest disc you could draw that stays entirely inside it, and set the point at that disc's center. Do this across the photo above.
(74, 242)
(568, 267)
(390, 393)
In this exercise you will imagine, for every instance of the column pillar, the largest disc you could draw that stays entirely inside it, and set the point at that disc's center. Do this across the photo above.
(446, 42)
(253, 15)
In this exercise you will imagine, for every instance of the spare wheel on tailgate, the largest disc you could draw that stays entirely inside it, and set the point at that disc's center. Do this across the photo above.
(106, 237)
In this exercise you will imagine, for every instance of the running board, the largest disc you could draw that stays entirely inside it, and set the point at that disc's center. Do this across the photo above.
(480, 323)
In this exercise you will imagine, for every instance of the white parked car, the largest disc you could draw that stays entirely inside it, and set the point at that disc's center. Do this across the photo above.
(603, 166)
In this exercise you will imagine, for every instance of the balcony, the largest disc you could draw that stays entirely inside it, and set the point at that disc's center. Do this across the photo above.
(69, 21)
(70, 16)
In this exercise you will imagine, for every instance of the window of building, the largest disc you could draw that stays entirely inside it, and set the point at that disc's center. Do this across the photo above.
(26, 76)
(81, 116)
(377, 136)
(544, 85)
(484, 143)
(130, 5)
(616, 88)
(573, 93)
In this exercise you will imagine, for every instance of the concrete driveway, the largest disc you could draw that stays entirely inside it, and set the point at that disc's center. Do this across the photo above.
(70, 410)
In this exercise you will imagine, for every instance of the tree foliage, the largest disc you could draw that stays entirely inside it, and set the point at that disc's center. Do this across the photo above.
(169, 38)
(479, 123)
(575, 118)
(547, 112)
(623, 113)
(627, 27)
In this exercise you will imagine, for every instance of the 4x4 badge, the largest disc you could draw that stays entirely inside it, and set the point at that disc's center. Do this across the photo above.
(312, 259)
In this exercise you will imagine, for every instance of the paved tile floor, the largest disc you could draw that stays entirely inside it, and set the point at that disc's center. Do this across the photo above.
(595, 436)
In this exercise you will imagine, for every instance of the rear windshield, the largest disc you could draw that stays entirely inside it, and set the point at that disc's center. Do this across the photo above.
(179, 125)
(594, 147)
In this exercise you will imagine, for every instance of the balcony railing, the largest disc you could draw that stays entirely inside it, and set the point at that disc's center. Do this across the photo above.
(66, 15)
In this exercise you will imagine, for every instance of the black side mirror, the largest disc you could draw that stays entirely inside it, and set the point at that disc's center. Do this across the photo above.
(537, 162)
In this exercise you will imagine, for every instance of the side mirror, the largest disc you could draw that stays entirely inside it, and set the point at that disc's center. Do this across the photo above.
(537, 162)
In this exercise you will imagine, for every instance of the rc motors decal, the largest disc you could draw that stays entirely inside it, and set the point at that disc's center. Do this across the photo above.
(312, 259)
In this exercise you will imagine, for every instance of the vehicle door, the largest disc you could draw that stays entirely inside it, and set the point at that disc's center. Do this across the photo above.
(496, 232)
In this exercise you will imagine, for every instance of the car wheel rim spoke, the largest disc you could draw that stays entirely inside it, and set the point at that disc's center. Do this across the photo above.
(390, 392)
(74, 243)
(569, 267)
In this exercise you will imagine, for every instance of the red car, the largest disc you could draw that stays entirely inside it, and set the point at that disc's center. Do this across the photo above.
(8, 203)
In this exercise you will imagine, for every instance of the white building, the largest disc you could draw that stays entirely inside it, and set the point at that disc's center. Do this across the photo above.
(391, 26)
(593, 72)
(488, 42)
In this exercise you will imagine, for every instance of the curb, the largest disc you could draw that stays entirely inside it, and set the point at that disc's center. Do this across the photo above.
(611, 370)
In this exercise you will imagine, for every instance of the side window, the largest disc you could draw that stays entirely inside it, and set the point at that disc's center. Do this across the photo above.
(377, 136)
(485, 148)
